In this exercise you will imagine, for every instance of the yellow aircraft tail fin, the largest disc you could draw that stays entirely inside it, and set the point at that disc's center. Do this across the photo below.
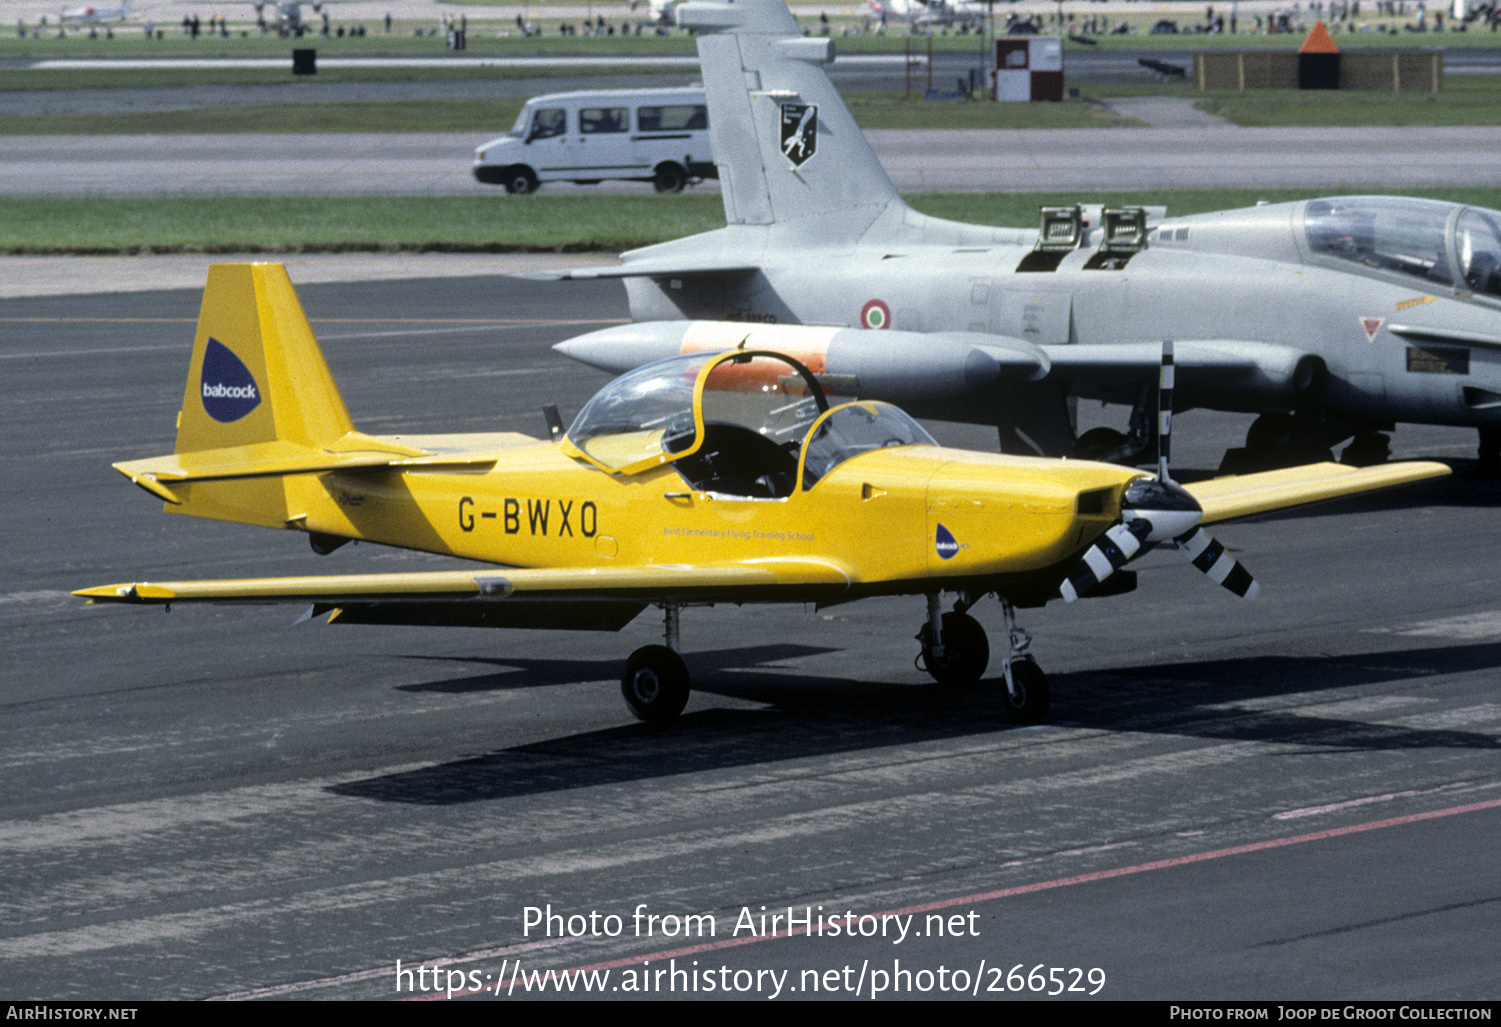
(260, 406)
(257, 374)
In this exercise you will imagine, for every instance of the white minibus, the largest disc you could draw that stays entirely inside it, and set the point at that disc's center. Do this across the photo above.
(659, 136)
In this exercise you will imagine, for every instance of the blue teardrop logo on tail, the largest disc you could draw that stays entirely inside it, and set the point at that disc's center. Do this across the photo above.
(228, 390)
(948, 546)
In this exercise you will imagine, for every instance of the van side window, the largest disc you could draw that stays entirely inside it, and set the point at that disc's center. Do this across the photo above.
(677, 118)
(593, 120)
(548, 122)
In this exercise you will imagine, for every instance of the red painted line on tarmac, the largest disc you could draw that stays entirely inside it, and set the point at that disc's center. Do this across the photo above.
(1001, 893)
(1064, 882)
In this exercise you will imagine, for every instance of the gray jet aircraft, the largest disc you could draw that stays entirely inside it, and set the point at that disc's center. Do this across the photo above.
(1332, 319)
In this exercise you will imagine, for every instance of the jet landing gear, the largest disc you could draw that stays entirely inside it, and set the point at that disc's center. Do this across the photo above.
(655, 682)
(955, 651)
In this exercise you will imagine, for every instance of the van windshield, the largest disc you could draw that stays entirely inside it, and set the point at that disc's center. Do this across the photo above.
(548, 122)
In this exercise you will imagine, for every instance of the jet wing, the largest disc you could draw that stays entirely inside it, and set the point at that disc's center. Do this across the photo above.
(1224, 499)
(1257, 372)
(1426, 333)
(603, 598)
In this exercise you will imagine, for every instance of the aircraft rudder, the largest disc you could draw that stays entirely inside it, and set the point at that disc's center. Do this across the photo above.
(257, 374)
(785, 142)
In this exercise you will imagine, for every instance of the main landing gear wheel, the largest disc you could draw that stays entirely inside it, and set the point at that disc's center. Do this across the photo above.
(655, 684)
(1099, 443)
(1027, 694)
(1367, 449)
(966, 650)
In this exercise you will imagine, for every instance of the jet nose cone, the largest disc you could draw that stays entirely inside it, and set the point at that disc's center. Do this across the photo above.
(623, 347)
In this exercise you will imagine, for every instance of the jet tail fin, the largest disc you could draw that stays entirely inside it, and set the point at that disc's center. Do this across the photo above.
(786, 145)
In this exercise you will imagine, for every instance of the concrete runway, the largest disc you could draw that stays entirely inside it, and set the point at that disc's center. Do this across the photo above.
(433, 164)
(1292, 798)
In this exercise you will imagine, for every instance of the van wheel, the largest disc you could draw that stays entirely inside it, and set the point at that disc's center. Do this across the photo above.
(520, 180)
(670, 178)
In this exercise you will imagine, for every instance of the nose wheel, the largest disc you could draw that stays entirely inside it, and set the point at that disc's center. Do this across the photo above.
(1027, 694)
(955, 651)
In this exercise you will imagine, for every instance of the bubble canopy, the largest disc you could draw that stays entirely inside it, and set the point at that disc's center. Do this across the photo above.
(733, 423)
(1439, 243)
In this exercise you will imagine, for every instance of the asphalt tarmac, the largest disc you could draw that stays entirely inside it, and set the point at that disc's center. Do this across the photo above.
(1288, 799)
(438, 164)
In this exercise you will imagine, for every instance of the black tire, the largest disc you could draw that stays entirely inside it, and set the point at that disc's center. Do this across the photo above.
(966, 650)
(1281, 440)
(1098, 444)
(1270, 432)
(655, 684)
(520, 180)
(1029, 704)
(669, 178)
(1367, 450)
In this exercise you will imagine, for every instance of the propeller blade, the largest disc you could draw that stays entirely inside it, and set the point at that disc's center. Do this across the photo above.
(1165, 378)
(1112, 552)
(1218, 565)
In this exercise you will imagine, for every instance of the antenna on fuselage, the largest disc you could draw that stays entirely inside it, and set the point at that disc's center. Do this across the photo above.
(554, 421)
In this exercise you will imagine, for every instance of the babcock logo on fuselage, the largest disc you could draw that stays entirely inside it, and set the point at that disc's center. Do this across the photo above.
(228, 390)
(946, 544)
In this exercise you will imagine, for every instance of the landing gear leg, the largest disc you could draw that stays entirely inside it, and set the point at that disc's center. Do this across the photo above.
(655, 683)
(1111, 446)
(1284, 440)
(1367, 449)
(1027, 693)
(1489, 464)
(954, 647)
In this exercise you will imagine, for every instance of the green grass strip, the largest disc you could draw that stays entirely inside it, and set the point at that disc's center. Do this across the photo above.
(494, 223)
(1468, 100)
(495, 115)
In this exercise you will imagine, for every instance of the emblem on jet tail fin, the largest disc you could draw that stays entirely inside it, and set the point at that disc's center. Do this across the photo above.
(799, 132)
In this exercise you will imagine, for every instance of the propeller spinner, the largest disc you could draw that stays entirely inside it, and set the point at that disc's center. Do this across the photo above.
(1158, 510)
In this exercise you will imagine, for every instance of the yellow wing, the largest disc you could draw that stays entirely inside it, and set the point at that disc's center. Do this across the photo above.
(603, 598)
(1243, 495)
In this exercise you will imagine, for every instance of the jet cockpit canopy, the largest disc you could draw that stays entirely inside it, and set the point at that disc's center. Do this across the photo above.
(1442, 244)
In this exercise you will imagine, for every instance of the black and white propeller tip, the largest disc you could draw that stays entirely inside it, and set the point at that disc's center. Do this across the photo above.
(1155, 511)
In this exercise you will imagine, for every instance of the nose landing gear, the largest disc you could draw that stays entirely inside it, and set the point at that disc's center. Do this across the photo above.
(955, 651)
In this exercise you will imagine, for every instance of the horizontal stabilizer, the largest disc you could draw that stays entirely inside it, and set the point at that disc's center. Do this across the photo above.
(682, 267)
(1224, 499)
(258, 461)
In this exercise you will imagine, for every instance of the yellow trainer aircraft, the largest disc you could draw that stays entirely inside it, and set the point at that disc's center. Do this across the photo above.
(722, 475)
